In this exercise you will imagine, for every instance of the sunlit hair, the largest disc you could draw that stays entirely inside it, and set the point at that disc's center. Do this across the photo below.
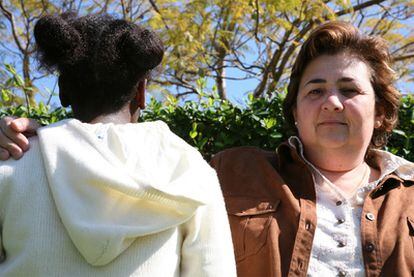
(337, 37)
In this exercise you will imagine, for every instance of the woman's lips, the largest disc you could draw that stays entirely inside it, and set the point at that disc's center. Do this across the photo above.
(328, 123)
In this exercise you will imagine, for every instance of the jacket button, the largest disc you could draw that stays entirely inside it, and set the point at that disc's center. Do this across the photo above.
(370, 216)
(341, 220)
(342, 273)
(369, 247)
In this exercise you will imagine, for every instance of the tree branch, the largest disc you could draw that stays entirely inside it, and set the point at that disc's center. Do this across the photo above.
(282, 65)
(272, 64)
(403, 47)
(10, 18)
(256, 29)
(359, 7)
(179, 95)
(154, 6)
(403, 57)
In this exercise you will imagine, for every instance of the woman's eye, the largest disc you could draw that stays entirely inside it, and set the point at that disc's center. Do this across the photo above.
(315, 92)
(348, 91)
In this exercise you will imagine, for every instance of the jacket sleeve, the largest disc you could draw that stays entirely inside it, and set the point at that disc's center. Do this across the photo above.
(207, 249)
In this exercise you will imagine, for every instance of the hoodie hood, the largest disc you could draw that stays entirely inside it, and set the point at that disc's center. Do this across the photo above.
(114, 183)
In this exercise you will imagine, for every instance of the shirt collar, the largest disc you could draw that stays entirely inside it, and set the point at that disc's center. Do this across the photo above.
(385, 161)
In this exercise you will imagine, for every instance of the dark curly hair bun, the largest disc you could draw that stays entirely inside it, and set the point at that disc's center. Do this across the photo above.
(100, 59)
(145, 56)
(129, 50)
(56, 41)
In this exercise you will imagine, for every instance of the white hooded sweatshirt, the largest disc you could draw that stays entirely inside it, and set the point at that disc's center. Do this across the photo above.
(112, 200)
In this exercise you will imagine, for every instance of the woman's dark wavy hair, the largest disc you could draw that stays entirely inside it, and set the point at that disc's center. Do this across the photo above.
(100, 60)
(337, 37)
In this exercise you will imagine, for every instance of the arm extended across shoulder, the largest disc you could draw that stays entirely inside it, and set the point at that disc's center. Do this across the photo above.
(13, 136)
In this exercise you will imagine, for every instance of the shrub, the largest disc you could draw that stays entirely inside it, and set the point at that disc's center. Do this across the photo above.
(212, 125)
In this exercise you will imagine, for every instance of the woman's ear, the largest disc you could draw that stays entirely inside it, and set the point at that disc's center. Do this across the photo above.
(137, 103)
(379, 116)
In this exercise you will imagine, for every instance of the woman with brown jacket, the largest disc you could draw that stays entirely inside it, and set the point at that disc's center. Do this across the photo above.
(327, 202)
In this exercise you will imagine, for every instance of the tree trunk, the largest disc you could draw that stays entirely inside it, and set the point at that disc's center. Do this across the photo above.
(220, 78)
(27, 80)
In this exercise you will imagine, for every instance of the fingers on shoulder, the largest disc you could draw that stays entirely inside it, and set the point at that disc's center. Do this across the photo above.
(12, 143)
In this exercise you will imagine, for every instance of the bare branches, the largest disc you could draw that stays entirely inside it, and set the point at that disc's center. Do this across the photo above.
(155, 7)
(403, 47)
(11, 20)
(403, 57)
(185, 93)
(213, 39)
(256, 29)
(282, 56)
(359, 7)
(273, 62)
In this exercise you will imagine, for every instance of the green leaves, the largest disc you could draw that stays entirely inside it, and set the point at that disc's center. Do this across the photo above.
(41, 113)
(213, 124)
(402, 140)
(5, 95)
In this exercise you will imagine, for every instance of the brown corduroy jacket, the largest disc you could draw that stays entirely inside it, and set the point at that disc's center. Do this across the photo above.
(271, 204)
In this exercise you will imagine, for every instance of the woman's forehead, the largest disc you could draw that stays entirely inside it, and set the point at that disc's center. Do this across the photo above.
(336, 68)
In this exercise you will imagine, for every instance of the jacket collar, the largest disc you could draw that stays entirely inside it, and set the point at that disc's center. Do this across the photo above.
(394, 170)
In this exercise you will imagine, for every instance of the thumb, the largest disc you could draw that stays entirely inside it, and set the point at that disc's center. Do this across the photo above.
(25, 125)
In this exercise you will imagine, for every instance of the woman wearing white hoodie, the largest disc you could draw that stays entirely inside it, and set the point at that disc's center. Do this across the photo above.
(100, 195)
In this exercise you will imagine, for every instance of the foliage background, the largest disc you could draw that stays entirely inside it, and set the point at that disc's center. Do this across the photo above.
(236, 46)
(209, 45)
(214, 124)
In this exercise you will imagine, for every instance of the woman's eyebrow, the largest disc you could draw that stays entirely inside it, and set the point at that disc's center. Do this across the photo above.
(345, 79)
(315, 81)
(321, 81)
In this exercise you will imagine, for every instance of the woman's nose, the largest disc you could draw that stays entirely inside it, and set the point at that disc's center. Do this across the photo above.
(332, 102)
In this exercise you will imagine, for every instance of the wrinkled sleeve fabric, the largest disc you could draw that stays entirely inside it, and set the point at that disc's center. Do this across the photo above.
(207, 248)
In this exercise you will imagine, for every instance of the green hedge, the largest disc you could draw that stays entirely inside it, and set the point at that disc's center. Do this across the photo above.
(212, 125)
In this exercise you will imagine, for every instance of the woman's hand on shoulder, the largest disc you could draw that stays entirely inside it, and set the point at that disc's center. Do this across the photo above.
(13, 136)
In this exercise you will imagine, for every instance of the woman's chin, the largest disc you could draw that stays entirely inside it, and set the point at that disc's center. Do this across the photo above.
(332, 141)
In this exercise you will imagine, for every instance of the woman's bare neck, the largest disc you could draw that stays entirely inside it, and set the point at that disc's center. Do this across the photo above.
(120, 117)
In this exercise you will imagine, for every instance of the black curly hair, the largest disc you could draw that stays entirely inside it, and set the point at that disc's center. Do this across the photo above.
(100, 60)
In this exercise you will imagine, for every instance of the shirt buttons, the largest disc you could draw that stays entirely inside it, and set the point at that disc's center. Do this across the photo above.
(341, 220)
(342, 273)
(370, 216)
(341, 243)
(369, 247)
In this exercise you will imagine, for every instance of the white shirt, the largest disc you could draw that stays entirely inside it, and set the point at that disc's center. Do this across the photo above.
(336, 249)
